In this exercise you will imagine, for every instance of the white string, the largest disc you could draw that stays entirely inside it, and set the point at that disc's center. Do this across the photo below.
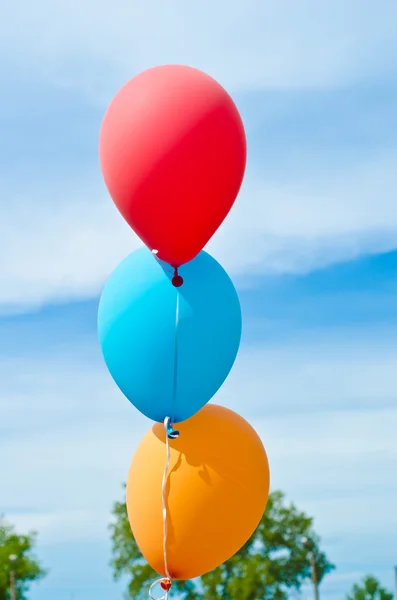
(167, 423)
(169, 432)
(176, 343)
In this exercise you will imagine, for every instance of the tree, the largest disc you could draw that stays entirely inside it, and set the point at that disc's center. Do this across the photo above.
(369, 589)
(26, 566)
(272, 562)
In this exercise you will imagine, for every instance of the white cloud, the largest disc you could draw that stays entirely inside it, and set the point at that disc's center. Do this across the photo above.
(342, 371)
(60, 240)
(325, 413)
(66, 251)
(324, 407)
(68, 526)
(61, 251)
(252, 44)
(311, 221)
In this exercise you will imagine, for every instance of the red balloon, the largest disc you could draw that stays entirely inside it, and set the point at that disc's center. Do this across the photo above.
(172, 150)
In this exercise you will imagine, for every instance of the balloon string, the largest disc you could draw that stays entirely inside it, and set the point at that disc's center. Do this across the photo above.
(176, 349)
(165, 583)
(170, 433)
(167, 423)
(176, 344)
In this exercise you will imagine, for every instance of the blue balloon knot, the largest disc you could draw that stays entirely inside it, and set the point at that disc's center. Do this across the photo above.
(172, 433)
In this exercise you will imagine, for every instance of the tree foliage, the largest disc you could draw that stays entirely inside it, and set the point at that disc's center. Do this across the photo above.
(26, 566)
(272, 562)
(369, 589)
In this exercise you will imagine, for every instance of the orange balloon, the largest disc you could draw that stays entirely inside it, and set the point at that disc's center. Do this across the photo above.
(217, 489)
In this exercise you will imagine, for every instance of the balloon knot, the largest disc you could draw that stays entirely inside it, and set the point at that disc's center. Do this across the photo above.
(172, 434)
(177, 280)
(165, 584)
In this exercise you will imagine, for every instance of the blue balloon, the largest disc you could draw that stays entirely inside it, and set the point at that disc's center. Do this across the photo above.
(169, 362)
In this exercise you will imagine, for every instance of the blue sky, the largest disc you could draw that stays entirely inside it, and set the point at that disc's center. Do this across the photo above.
(311, 245)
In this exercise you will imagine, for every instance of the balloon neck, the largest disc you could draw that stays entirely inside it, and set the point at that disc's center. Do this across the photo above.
(177, 280)
(172, 434)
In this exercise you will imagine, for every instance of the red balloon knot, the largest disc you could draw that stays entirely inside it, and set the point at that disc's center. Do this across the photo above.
(177, 280)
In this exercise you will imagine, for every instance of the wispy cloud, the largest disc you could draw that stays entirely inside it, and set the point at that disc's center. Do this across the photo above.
(314, 82)
(325, 412)
(311, 221)
(322, 400)
(67, 250)
(60, 235)
(279, 44)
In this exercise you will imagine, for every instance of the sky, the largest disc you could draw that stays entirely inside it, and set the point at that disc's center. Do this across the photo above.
(311, 245)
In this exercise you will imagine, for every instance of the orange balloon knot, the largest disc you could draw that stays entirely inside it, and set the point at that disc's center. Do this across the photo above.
(177, 280)
(172, 434)
(165, 584)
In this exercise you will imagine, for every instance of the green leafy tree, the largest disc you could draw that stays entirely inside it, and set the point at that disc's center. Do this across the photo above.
(25, 566)
(369, 589)
(272, 562)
